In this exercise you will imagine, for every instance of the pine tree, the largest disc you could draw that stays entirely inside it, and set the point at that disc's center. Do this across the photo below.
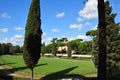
(32, 40)
(112, 41)
(113, 46)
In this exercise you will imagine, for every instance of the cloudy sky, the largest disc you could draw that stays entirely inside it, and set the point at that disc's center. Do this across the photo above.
(60, 18)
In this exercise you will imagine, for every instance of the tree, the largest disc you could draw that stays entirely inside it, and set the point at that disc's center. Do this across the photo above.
(4, 49)
(113, 36)
(75, 44)
(102, 41)
(32, 40)
(54, 49)
(112, 41)
(85, 47)
(15, 49)
(0, 49)
(43, 48)
(69, 50)
(92, 33)
(49, 48)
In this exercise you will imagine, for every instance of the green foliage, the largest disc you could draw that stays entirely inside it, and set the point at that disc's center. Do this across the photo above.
(85, 47)
(43, 48)
(69, 50)
(4, 48)
(49, 48)
(54, 46)
(92, 33)
(8, 48)
(32, 40)
(113, 36)
(74, 44)
(80, 47)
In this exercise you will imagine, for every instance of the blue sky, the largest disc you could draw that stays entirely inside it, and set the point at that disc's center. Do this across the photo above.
(60, 18)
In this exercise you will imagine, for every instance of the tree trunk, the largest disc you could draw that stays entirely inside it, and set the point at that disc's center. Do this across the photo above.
(32, 74)
(102, 41)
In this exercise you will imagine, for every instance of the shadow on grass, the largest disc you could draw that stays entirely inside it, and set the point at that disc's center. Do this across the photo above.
(9, 71)
(63, 75)
(7, 63)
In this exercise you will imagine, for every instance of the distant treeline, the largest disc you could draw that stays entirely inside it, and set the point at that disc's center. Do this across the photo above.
(8, 48)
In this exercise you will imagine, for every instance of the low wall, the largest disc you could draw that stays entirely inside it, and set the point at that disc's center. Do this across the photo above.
(66, 55)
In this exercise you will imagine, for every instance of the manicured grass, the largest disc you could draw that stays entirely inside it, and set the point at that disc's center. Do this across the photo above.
(52, 65)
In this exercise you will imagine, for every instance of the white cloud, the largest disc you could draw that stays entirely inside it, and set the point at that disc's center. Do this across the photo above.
(88, 24)
(55, 30)
(105, 0)
(59, 15)
(82, 37)
(76, 26)
(47, 40)
(90, 10)
(95, 27)
(70, 39)
(44, 34)
(15, 40)
(4, 30)
(18, 36)
(5, 15)
(18, 28)
(79, 19)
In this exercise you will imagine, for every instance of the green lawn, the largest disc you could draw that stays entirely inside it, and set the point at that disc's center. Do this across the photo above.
(52, 65)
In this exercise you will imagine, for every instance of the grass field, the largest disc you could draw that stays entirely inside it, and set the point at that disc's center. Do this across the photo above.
(47, 65)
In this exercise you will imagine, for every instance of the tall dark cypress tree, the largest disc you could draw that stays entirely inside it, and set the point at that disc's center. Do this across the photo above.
(32, 40)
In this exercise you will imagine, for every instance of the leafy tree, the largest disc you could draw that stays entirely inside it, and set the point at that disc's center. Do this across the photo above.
(4, 49)
(0, 49)
(15, 49)
(85, 47)
(49, 48)
(32, 41)
(74, 44)
(92, 33)
(43, 48)
(54, 46)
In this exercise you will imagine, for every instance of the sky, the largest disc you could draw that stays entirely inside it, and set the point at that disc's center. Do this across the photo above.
(60, 18)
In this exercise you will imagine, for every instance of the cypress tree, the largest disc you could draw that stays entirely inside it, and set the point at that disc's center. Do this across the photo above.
(54, 49)
(32, 40)
(69, 51)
